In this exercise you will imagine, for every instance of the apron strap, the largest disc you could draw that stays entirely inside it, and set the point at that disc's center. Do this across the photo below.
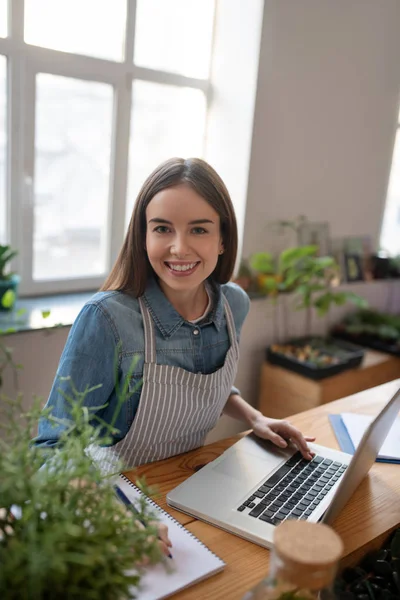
(150, 353)
(231, 324)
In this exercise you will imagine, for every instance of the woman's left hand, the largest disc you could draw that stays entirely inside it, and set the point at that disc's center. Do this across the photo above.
(279, 432)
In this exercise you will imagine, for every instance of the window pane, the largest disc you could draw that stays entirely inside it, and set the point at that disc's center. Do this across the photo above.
(174, 35)
(3, 17)
(90, 27)
(166, 121)
(72, 175)
(390, 238)
(3, 145)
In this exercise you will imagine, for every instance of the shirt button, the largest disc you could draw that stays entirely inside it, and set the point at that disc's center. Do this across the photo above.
(195, 332)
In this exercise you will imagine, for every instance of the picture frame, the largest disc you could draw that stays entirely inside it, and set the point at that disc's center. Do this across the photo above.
(354, 267)
(337, 251)
(314, 234)
(360, 246)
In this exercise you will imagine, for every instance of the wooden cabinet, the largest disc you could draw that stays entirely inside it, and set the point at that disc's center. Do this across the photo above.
(284, 393)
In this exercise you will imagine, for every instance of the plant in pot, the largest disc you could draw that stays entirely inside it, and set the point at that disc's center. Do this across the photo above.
(8, 281)
(371, 328)
(245, 278)
(310, 279)
(276, 276)
(63, 535)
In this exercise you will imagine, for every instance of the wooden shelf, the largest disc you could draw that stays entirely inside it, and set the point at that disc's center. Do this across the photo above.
(284, 393)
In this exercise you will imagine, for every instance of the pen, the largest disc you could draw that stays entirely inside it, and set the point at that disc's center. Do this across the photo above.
(125, 500)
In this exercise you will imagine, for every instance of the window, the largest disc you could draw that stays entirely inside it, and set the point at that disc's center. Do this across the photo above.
(72, 177)
(167, 54)
(166, 121)
(89, 27)
(101, 93)
(390, 236)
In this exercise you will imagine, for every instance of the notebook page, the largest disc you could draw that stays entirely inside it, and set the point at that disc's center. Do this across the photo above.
(356, 425)
(192, 561)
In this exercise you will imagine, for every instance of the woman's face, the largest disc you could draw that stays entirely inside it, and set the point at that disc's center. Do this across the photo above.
(183, 238)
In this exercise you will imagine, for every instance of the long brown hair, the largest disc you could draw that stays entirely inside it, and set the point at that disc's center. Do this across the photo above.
(132, 269)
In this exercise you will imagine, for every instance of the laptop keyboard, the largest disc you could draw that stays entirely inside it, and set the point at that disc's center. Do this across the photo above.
(294, 490)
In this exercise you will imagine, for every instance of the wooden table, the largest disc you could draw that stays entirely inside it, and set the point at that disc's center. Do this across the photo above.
(369, 517)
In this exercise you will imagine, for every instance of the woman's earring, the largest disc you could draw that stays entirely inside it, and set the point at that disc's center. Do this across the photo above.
(221, 251)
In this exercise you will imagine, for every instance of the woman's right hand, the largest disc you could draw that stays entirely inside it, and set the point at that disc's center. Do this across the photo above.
(164, 541)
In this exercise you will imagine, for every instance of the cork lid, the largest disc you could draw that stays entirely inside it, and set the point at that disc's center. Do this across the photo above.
(308, 550)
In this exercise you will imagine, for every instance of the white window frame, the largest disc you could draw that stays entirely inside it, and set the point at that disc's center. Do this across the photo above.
(24, 62)
(385, 216)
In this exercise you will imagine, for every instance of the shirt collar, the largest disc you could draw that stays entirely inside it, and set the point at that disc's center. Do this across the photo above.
(167, 319)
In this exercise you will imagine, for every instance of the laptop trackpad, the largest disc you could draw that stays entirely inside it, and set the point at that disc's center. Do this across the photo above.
(246, 467)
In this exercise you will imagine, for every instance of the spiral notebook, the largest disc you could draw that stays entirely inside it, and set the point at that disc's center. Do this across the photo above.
(192, 561)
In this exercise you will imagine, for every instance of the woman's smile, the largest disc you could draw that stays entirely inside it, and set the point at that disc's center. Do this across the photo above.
(181, 269)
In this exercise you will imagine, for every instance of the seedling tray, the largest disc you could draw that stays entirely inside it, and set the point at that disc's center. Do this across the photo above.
(370, 341)
(346, 355)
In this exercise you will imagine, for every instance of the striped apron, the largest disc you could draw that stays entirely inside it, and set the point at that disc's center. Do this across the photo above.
(177, 408)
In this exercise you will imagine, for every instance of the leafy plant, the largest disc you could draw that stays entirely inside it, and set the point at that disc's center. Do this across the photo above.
(374, 324)
(376, 576)
(245, 277)
(8, 281)
(280, 275)
(316, 290)
(63, 535)
(310, 277)
(283, 273)
(6, 255)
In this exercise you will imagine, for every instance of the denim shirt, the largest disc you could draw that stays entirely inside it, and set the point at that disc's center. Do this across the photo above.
(107, 337)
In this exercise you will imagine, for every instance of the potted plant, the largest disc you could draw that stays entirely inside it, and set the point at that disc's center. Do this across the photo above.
(371, 328)
(310, 279)
(276, 276)
(63, 535)
(245, 278)
(8, 281)
(376, 576)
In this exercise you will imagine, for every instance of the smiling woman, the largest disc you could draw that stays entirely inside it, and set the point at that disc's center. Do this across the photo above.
(166, 325)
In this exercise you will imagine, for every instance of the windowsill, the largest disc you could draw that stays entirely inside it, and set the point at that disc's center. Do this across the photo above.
(63, 308)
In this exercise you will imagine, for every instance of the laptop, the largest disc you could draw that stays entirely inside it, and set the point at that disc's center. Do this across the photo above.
(254, 485)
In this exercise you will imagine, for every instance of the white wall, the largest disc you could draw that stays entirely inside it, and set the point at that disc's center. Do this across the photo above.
(325, 117)
(39, 353)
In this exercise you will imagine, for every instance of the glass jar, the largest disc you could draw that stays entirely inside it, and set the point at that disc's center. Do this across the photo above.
(303, 563)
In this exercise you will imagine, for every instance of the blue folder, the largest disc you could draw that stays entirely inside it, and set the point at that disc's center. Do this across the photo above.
(344, 440)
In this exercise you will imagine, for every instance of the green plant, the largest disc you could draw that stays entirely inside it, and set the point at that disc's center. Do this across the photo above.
(279, 275)
(373, 323)
(71, 539)
(6, 255)
(8, 281)
(310, 277)
(376, 576)
(316, 289)
(245, 277)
